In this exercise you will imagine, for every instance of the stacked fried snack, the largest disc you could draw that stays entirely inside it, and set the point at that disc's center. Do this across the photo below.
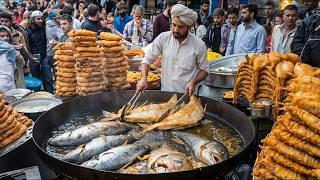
(12, 124)
(89, 75)
(66, 77)
(292, 149)
(115, 63)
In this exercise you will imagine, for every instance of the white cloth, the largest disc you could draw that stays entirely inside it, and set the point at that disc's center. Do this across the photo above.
(6, 74)
(279, 41)
(180, 62)
(76, 24)
(186, 15)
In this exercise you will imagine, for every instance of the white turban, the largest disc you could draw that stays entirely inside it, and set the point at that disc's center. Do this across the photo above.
(186, 15)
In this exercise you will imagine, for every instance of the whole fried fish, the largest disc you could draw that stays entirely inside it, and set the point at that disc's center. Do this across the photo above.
(187, 116)
(144, 113)
(98, 145)
(208, 151)
(116, 158)
(88, 132)
(167, 159)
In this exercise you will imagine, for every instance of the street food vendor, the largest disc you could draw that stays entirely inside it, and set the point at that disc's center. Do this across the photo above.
(184, 55)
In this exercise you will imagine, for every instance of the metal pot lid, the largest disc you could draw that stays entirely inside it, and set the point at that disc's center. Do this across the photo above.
(18, 93)
(36, 105)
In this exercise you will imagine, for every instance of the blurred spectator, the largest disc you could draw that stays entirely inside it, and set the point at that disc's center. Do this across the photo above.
(269, 37)
(69, 10)
(93, 23)
(123, 18)
(81, 10)
(162, 20)
(203, 15)
(213, 35)
(15, 17)
(269, 10)
(40, 5)
(199, 30)
(250, 36)
(278, 20)
(306, 41)
(309, 7)
(138, 27)
(110, 25)
(110, 6)
(5, 35)
(132, 10)
(38, 45)
(26, 20)
(283, 34)
(7, 66)
(230, 25)
(66, 26)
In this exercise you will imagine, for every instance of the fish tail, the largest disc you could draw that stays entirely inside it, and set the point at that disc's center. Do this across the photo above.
(151, 127)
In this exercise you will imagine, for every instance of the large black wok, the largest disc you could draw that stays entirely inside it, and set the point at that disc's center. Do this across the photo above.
(112, 101)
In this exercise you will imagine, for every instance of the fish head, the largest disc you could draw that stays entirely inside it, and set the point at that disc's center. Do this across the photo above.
(213, 153)
(93, 163)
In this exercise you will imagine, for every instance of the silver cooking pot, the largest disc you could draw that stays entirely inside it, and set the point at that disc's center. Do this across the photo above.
(223, 71)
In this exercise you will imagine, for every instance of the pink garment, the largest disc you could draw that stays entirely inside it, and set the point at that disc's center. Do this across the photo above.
(268, 43)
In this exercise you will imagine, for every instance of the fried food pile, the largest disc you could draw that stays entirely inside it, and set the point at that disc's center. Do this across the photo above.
(114, 62)
(134, 77)
(65, 71)
(88, 67)
(12, 124)
(292, 149)
(134, 53)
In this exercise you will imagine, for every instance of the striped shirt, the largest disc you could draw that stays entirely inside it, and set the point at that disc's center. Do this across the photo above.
(131, 30)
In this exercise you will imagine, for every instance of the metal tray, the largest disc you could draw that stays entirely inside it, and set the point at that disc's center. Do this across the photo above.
(24, 138)
(18, 93)
(40, 101)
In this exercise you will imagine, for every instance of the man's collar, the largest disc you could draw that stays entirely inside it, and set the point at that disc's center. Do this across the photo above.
(252, 25)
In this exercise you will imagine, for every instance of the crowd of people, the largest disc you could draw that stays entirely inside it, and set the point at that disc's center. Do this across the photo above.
(29, 32)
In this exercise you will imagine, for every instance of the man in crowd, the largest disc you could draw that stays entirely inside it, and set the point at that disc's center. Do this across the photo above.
(309, 7)
(230, 25)
(26, 20)
(162, 20)
(93, 23)
(204, 16)
(213, 36)
(5, 35)
(250, 36)
(270, 13)
(69, 10)
(184, 55)
(66, 26)
(306, 41)
(283, 34)
(38, 45)
(138, 27)
(7, 66)
(123, 18)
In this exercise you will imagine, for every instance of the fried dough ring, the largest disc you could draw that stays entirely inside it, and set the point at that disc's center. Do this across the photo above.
(110, 75)
(66, 80)
(10, 132)
(10, 126)
(86, 54)
(112, 55)
(7, 122)
(115, 60)
(64, 58)
(65, 74)
(109, 36)
(90, 79)
(91, 89)
(86, 44)
(123, 87)
(111, 49)
(14, 137)
(65, 94)
(117, 79)
(90, 84)
(89, 69)
(88, 64)
(64, 46)
(117, 69)
(110, 43)
(89, 59)
(2, 103)
(63, 84)
(82, 38)
(26, 122)
(118, 84)
(65, 89)
(65, 70)
(89, 74)
(65, 64)
(113, 65)
(87, 49)
(6, 115)
(64, 52)
(81, 32)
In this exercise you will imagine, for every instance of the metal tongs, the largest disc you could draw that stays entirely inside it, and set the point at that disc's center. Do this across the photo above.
(167, 112)
(130, 103)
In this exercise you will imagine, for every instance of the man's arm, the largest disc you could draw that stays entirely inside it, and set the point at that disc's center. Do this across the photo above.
(261, 41)
(202, 74)
(231, 41)
(299, 40)
(206, 38)
(149, 34)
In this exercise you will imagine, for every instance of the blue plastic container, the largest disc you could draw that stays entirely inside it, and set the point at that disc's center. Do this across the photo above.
(33, 83)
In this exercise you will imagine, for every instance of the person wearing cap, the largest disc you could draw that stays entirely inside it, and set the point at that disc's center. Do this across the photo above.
(38, 45)
(184, 55)
(26, 20)
(6, 35)
(213, 36)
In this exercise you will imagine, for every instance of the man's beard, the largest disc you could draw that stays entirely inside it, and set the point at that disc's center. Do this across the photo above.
(180, 36)
(245, 19)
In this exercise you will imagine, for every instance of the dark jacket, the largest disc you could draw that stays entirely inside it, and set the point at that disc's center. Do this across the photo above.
(213, 38)
(206, 22)
(306, 41)
(37, 39)
(303, 14)
(94, 26)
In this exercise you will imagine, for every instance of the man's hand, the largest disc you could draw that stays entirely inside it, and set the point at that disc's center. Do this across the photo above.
(17, 46)
(190, 88)
(142, 85)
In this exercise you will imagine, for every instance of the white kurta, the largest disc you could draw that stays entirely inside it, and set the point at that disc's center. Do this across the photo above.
(6, 74)
(180, 62)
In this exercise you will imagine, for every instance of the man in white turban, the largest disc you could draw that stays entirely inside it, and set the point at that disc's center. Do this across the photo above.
(184, 55)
